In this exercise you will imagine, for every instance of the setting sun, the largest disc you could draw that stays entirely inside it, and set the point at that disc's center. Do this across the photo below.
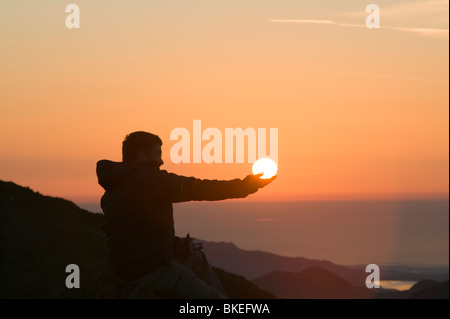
(266, 166)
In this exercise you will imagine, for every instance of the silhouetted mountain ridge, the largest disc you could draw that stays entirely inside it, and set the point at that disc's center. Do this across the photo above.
(429, 289)
(253, 264)
(310, 283)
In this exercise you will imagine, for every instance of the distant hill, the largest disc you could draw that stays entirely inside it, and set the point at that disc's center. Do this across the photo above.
(41, 235)
(311, 283)
(253, 264)
(430, 289)
(318, 283)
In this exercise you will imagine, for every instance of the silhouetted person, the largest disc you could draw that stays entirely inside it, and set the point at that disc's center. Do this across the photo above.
(139, 226)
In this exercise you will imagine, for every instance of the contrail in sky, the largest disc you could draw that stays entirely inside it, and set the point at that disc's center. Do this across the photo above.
(420, 31)
(385, 76)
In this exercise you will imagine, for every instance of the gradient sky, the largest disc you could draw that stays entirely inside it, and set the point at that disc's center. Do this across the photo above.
(361, 113)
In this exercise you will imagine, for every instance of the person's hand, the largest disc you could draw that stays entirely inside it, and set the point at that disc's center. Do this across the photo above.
(256, 182)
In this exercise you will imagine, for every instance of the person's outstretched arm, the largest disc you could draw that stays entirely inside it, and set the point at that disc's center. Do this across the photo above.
(204, 189)
(176, 188)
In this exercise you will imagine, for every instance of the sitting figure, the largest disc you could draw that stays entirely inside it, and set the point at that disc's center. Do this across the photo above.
(142, 248)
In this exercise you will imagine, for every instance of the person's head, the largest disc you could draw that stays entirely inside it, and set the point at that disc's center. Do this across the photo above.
(142, 147)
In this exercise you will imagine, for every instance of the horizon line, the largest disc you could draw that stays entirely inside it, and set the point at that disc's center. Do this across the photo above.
(417, 197)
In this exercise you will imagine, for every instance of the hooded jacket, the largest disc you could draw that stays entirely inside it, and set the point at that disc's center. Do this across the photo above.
(138, 212)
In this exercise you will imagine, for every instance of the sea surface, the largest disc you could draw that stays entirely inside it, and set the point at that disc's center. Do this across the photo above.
(410, 233)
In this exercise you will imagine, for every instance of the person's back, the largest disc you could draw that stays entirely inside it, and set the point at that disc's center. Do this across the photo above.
(137, 206)
(138, 223)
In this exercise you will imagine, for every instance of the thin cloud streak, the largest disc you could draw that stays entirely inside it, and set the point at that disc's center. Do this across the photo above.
(312, 21)
(420, 31)
(385, 76)
(417, 8)
(431, 12)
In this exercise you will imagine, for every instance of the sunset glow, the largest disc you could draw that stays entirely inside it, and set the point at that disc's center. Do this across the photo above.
(361, 113)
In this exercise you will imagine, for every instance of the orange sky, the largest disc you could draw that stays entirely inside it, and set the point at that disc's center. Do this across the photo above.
(361, 113)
